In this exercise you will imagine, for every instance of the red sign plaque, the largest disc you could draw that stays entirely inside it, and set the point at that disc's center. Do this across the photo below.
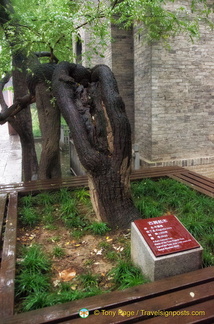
(166, 235)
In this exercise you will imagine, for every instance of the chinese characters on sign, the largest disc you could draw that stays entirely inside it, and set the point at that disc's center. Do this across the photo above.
(166, 235)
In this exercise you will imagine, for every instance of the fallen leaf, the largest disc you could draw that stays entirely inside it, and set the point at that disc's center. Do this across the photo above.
(56, 282)
(74, 287)
(67, 275)
(98, 252)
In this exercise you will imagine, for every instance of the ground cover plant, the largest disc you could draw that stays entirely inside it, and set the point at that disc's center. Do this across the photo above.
(81, 257)
(65, 254)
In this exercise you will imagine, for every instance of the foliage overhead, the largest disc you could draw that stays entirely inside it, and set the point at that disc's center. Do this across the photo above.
(51, 25)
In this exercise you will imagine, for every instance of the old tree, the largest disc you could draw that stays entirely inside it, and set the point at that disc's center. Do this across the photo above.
(88, 99)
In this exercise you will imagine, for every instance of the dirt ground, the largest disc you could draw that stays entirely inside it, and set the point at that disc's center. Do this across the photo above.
(79, 255)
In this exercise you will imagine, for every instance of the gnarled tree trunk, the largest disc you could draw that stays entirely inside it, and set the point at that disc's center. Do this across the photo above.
(95, 113)
(22, 123)
(49, 119)
(39, 84)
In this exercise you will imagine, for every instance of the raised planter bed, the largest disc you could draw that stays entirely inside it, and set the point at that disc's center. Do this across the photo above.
(125, 299)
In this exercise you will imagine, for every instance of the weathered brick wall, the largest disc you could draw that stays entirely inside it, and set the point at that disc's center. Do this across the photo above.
(143, 96)
(123, 67)
(174, 100)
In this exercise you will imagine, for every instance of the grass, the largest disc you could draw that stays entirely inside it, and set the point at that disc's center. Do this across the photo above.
(153, 199)
(58, 252)
(35, 260)
(29, 217)
(125, 275)
(33, 275)
(33, 281)
(45, 199)
(99, 228)
(89, 280)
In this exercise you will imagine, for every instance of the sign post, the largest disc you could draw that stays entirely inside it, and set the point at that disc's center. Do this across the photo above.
(163, 247)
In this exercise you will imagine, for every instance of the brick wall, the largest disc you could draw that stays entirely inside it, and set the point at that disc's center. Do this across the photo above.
(123, 67)
(143, 95)
(174, 100)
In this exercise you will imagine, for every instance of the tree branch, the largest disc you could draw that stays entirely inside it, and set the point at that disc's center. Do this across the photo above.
(115, 3)
(19, 105)
(90, 20)
(47, 54)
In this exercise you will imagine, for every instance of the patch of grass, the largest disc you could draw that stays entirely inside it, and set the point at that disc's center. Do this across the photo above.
(126, 275)
(55, 239)
(68, 207)
(78, 233)
(73, 221)
(144, 188)
(35, 260)
(29, 282)
(89, 262)
(149, 207)
(29, 217)
(112, 256)
(69, 215)
(194, 224)
(46, 299)
(82, 195)
(35, 300)
(58, 252)
(27, 201)
(44, 198)
(48, 218)
(126, 253)
(63, 195)
(88, 280)
(107, 246)
(99, 228)
(34, 273)
(208, 240)
(208, 258)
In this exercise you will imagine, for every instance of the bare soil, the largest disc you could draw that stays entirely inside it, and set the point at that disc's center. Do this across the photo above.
(83, 255)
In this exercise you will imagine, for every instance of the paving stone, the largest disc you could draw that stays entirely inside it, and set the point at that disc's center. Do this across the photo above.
(10, 157)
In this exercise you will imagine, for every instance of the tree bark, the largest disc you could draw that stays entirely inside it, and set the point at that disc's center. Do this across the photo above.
(101, 132)
(22, 122)
(49, 119)
(39, 84)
